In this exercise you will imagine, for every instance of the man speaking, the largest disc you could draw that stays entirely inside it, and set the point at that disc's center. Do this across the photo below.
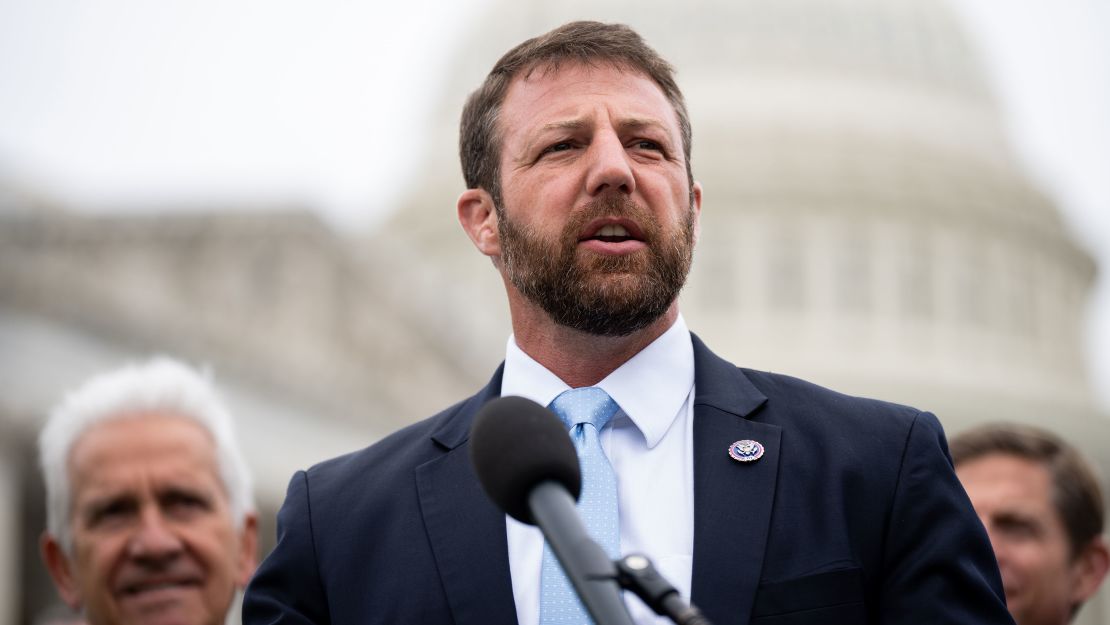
(762, 498)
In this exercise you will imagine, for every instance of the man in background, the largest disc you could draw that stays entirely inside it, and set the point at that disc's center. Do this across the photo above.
(1043, 510)
(149, 510)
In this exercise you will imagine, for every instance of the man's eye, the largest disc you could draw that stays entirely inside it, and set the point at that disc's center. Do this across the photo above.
(1017, 529)
(562, 146)
(645, 144)
(110, 512)
(184, 503)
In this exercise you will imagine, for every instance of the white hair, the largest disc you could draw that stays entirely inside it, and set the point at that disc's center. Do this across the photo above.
(161, 386)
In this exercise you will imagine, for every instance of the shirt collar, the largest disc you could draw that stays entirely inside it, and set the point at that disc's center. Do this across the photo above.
(650, 388)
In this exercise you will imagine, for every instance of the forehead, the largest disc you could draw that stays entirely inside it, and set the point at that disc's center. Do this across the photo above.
(549, 93)
(129, 451)
(1006, 477)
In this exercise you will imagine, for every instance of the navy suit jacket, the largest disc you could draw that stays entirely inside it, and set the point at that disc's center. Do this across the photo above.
(853, 515)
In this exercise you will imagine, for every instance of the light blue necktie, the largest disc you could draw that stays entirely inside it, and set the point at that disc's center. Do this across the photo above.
(586, 411)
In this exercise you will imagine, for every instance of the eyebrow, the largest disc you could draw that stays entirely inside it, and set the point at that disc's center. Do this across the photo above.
(624, 125)
(1014, 517)
(634, 123)
(565, 124)
(536, 136)
(629, 123)
(174, 492)
(93, 509)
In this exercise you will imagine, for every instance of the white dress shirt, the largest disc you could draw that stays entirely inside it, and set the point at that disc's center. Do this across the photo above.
(649, 442)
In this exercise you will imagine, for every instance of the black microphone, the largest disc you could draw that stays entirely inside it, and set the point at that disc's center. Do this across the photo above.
(527, 465)
(515, 444)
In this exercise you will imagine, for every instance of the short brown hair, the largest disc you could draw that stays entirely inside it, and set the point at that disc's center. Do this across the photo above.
(1076, 492)
(590, 43)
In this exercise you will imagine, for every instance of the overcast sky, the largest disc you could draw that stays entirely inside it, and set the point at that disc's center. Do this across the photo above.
(124, 103)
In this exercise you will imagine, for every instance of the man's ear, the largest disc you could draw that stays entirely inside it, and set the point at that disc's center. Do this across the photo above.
(61, 570)
(478, 217)
(1090, 568)
(695, 191)
(248, 549)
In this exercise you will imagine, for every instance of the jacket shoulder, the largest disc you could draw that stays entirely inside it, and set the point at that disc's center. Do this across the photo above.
(810, 403)
(398, 452)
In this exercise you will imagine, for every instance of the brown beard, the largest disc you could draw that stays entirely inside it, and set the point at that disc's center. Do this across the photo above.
(601, 295)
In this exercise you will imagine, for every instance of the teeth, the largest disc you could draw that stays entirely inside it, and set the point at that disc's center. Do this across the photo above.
(151, 587)
(612, 230)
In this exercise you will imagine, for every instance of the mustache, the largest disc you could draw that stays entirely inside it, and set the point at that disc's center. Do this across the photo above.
(612, 204)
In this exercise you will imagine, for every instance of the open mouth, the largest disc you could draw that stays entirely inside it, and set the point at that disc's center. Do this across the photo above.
(158, 586)
(612, 232)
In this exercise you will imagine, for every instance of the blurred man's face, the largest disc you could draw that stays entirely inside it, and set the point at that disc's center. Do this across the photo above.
(1013, 498)
(153, 538)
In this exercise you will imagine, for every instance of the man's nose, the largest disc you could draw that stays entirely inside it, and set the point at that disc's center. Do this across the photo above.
(154, 538)
(609, 166)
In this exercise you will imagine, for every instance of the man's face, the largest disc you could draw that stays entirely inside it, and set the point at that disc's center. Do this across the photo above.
(598, 219)
(1013, 498)
(153, 539)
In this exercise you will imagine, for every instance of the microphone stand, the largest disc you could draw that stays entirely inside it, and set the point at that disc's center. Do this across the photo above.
(597, 579)
(589, 569)
(638, 574)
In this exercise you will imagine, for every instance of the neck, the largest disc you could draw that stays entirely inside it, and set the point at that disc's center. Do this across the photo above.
(579, 358)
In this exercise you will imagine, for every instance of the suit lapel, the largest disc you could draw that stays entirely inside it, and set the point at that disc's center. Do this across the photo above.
(466, 531)
(732, 500)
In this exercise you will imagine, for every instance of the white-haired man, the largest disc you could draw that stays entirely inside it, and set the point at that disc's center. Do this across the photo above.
(149, 512)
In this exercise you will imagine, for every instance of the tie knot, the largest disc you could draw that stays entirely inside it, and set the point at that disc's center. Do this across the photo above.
(584, 405)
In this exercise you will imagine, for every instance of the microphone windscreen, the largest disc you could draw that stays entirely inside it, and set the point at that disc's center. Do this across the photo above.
(515, 444)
